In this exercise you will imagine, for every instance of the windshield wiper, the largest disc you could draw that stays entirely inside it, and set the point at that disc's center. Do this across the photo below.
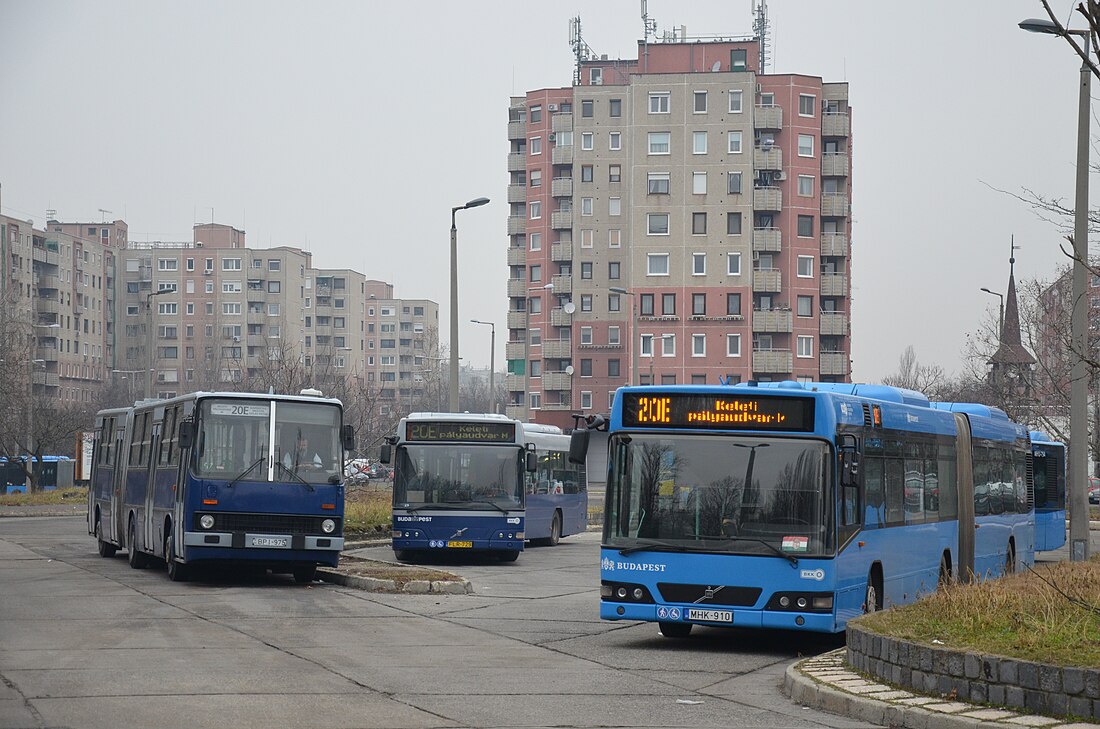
(246, 471)
(301, 480)
(654, 545)
(789, 557)
(496, 506)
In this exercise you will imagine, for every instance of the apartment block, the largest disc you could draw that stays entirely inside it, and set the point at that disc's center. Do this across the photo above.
(402, 347)
(676, 218)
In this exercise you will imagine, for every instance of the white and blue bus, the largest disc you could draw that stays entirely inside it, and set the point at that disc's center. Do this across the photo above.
(1049, 457)
(481, 482)
(221, 477)
(802, 506)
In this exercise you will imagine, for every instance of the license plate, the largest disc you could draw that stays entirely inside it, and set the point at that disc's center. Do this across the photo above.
(710, 616)
(464, 545)
(269, 542)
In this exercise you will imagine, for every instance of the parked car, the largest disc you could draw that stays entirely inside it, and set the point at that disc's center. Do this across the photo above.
(1094, 490)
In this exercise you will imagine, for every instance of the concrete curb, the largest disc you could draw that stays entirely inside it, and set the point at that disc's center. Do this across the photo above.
(412, 587)
(825, 682)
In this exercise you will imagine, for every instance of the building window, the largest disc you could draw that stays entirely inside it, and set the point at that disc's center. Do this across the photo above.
(698, 264)
(805, 145)
(613, 369)
(586, 400)
(645, 345)
(536, 114)
(190, 264)
(536, 241)
(536, 178)
(645, 305)
(805, 306)
(659, 142)
(805, 226)
(586, 269)
(586, 206)
(231, 309)
(167, 264)
(733, 223)
(586, 173)
(614, 206)
(613, 336)
(595, 76)
(586, 108)
(738, 59)
(806, 185)
(733, 183)
(805, 266)
(587, 140)
(586, 368)
(274, 310)
(586, 302)
(536, 209)
(733, 264)
(698, 345)
(614, 238)
(614, 141)
(668, 304)
(659, 102)
(659, 183)
(274, 287)
(231, 264)
(586, 335)
(614, 303)
(733, 142)
(536, 273)
(536, 400)
(736, 95)
(733, 345)
(698, 304)
(657, 223)
(614, 173)
(806, 104)
(700, 105)
(274, 264)
(656, 264)
(535, 146)
(668, 345)
(698, 142)
(805, 346)
(698, 223)
(698, 183)
(615, 107)
(733, 304)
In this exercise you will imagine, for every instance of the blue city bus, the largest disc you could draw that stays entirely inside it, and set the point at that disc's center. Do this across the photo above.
(217, 477)
(481, 483)
(801, 505)
(1049, 457)
(52, 472)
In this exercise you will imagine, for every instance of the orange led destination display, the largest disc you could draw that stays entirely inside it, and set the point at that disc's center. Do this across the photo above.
(717, 412)
(461, 431)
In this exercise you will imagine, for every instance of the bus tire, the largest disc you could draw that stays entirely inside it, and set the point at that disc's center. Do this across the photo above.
(305, 574)
(872, 601)
(945, 571)
(404, 555)
(105, 548)
(510, 556)
(177, 571)
(674, 630)
(555, 530)
(138, 560)
(1010, 558)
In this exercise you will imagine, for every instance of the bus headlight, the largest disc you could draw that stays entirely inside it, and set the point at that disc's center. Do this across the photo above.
(206, 521)
(328, 526)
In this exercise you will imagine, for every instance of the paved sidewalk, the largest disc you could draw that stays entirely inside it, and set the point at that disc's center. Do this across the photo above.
(825, 682)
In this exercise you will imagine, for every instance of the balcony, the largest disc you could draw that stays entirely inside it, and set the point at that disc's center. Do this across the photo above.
(768, 198)
(517, 224)
(517, 256)
(768, 117)
(834, 164)
(517, 161)
(834, 244)
(561, 252)
(834, 205)
(834, 124)
(517, 130)
(49, 379)
(561, 220)
(48, 281)
(515, 383)
(556, 381)
(517, 193)
(559, 318)
(515, 350)
(767, 239)
(516, 412)
(834, 363)
(768, 159)
(773, 321)
(565, 404)
(561, 122)
(517, 319)
(557, 349)
(561, 156)
(47, 306)
(563, 284)
(517, 287)
(775, 361)
(561, 187)
(834, 324)
(46, 354)
(767, 281)
(834, 284)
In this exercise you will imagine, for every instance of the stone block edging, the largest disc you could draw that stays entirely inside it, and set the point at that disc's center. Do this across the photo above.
(976, 678)
(415, 587)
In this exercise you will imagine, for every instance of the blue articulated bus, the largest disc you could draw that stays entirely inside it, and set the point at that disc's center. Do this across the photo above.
(221, 477)
(1049, 457)
(481, 483)
(801, 505)
(53, 472)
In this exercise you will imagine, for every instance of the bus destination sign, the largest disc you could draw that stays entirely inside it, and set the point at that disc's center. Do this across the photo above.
(699, 411)
(461, 431)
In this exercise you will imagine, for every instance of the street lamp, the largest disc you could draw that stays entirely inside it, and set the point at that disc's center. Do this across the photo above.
(633, 333)
(453, 384)
(1078, 400)
(1000, 313)
(492, 362)
(149, 338)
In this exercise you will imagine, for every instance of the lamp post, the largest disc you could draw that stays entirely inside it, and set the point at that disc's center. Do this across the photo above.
(633, 333)
(149, 359)
(453, 384)
(492, 362)
(1000, 313)
(1078, 400)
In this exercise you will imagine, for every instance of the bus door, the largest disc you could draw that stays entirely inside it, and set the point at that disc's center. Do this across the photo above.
(149, 540)
(965, 475)
(118, 475)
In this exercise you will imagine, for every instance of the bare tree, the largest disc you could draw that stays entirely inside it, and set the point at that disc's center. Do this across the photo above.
(912, 375)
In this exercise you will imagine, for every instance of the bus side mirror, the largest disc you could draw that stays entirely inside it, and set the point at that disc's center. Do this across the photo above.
(347, 434)
(384, 453)
(185, 434)
(849, 462)
(531, 462)
(578, 446)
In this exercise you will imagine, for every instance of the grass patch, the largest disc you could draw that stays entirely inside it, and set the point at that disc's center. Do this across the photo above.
(1026, 616)
(401, 574)
(46, 498)
(368, 513)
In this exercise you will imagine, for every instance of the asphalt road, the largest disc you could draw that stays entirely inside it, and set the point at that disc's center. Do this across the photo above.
(89, 642)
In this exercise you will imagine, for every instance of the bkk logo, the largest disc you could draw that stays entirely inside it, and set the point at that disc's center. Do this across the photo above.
(818, 575)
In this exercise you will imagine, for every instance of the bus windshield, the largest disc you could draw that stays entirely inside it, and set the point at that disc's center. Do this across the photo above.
(718, 494)
(234, 438)
(458, 476)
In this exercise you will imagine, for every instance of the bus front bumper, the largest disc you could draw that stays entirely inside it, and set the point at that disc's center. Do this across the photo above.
(740, 617)
(459, 545)
(243, 540)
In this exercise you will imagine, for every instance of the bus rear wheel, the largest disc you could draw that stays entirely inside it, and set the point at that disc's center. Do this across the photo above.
(675, 630)
(555, 530)
(177, 572)
(945, 572)
(105, 548)
(1010, 559)
(138, 560)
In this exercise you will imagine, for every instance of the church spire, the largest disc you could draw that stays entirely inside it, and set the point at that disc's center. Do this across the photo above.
(1011, 350)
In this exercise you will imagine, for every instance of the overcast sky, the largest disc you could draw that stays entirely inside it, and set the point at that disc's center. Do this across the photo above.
(352, 128)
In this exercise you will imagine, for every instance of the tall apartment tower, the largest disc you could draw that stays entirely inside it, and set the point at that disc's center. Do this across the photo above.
(678, 218)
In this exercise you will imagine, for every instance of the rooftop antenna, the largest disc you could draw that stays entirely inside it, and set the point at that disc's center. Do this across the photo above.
(760, 28)
(51, 214)
(649, 28)
(580, 49)
(103, 214)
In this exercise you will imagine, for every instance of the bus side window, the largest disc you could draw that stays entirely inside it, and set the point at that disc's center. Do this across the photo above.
(894, 486)
(872, 490)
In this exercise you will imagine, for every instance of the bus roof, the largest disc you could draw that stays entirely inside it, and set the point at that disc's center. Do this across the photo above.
(455, 417)
(885, 393)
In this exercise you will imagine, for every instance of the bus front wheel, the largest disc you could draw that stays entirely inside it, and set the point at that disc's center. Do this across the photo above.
(177, 572)
(675, 630)
(873, 599)
(106, 549)
(511, 556)
(305, 574)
